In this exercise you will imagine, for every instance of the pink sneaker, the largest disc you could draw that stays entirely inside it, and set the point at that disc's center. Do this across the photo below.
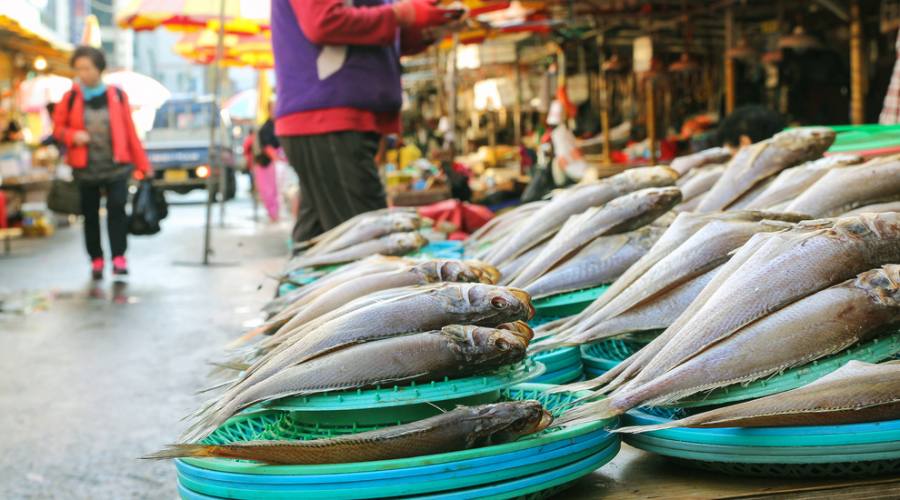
(120, 266)
(97, 269)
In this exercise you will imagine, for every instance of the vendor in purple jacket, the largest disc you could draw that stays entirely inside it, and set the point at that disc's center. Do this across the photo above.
(337, 66)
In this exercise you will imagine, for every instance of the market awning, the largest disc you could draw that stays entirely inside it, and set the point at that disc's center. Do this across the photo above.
(33, 40)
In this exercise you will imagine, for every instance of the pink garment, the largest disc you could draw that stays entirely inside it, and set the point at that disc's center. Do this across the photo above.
(267, 188)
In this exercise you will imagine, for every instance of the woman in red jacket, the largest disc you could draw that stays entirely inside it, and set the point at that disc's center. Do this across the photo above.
(94, 123)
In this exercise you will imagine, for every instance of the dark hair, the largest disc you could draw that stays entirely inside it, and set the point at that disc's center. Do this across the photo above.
(95, 55)
(755, 121)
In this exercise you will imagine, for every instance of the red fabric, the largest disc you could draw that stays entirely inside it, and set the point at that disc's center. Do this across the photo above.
(126, 145)
(248, 149)
(332, 22)
(466, 217)
(3, 221)
(323, 121)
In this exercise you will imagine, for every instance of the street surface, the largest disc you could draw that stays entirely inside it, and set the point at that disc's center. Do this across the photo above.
(104, 373)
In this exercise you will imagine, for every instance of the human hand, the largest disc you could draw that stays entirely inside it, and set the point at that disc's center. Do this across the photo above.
(423, 14)
(81, 137)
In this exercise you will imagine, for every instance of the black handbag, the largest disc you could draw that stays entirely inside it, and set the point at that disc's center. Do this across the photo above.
(148, 208)
(64, 197)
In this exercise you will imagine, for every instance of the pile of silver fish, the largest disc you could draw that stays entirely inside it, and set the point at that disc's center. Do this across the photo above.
(404, 334)
(381, 232)
(775, 259)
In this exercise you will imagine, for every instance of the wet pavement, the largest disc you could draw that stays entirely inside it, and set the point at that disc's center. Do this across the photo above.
(99, 374)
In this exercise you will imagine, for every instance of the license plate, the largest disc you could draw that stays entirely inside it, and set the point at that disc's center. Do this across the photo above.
(175, 175)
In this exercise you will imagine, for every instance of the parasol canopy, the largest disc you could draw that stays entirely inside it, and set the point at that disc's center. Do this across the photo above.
(242, 105)
(36, 93)
(142, 90)
(241, 16)
(254, 51)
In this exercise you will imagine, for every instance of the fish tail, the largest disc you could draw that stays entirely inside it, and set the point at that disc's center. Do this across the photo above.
(547, 346)
(236, 364)
(586, 413)
(265, 329)
(182, 450)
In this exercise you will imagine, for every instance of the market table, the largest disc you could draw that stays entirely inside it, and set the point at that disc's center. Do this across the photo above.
(636, 474)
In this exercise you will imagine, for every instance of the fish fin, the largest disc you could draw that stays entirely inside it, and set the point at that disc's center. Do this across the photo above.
(182, 450)
(218, 386)
(231, 364)
(263, 329)
(638, 429)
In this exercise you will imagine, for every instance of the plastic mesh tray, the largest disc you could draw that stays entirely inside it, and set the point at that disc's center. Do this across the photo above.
(567, 304)
(559, 359)
(413, 393)
(273, 428)
(607, 354)
(560, 377)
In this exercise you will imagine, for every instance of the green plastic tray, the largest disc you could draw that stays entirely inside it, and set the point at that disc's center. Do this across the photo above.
(865, 137)
(873, 351)
(559, 359)
(560, 377)
(605, 355)
(567, 304)
(271, 425)
(413, 393)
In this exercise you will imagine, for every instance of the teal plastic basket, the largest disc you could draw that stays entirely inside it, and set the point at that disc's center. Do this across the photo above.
(547, 460)
(412, 394)
(605, 355)
(566, 304)
(852, 450)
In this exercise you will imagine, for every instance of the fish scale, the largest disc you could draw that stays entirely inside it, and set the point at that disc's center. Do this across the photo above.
(844, 189)
(392, 244)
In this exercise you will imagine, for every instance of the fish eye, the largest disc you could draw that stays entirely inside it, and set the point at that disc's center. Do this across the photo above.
(502, 344)
(499, 303)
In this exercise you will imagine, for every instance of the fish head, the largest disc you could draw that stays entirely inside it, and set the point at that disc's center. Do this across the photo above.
(805, 138)
(521, 328)
(411, 240)
(486, 347)
(882, 284)
(487, 305)
(648, 176)
(864, 226)
(402, 222)
(466, 272)
(504, 422)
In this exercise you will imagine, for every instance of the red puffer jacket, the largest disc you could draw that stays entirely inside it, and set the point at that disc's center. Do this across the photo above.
(68, 118)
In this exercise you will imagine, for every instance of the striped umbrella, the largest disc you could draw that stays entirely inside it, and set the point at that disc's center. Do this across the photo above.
(254, 51)
(241, 16)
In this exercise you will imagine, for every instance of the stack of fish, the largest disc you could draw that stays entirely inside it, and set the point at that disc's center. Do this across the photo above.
(381, 232)
(584, 236)
(415, 333)
(818, 287)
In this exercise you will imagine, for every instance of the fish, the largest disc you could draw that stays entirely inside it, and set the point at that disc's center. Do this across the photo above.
(501, 224)
(453, 351)
(511, 268)
(699, 184)
(622, 214)
(815, 326)
(759, 161)
(368, 229)
(463, 428)
(844, 189)
(858, 392)
(685, 164)
(345, 226)
(798, 262)
(422, 273)
(545, 221)
(892, 206)
(652, 315)
(392, 244)
(421, 308)
(704, 250)
(600, 262)
(793, 181)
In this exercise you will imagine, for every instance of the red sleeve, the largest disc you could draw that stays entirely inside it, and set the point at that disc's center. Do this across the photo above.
(413, 41)
(138, 155)
(331, 22)
(61, 132)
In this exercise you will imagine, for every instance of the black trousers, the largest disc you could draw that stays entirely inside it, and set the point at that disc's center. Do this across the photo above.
(116, 220)
(338, 179)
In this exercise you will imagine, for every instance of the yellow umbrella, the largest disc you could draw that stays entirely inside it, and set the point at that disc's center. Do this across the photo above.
(241, 16)
(253, 51)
